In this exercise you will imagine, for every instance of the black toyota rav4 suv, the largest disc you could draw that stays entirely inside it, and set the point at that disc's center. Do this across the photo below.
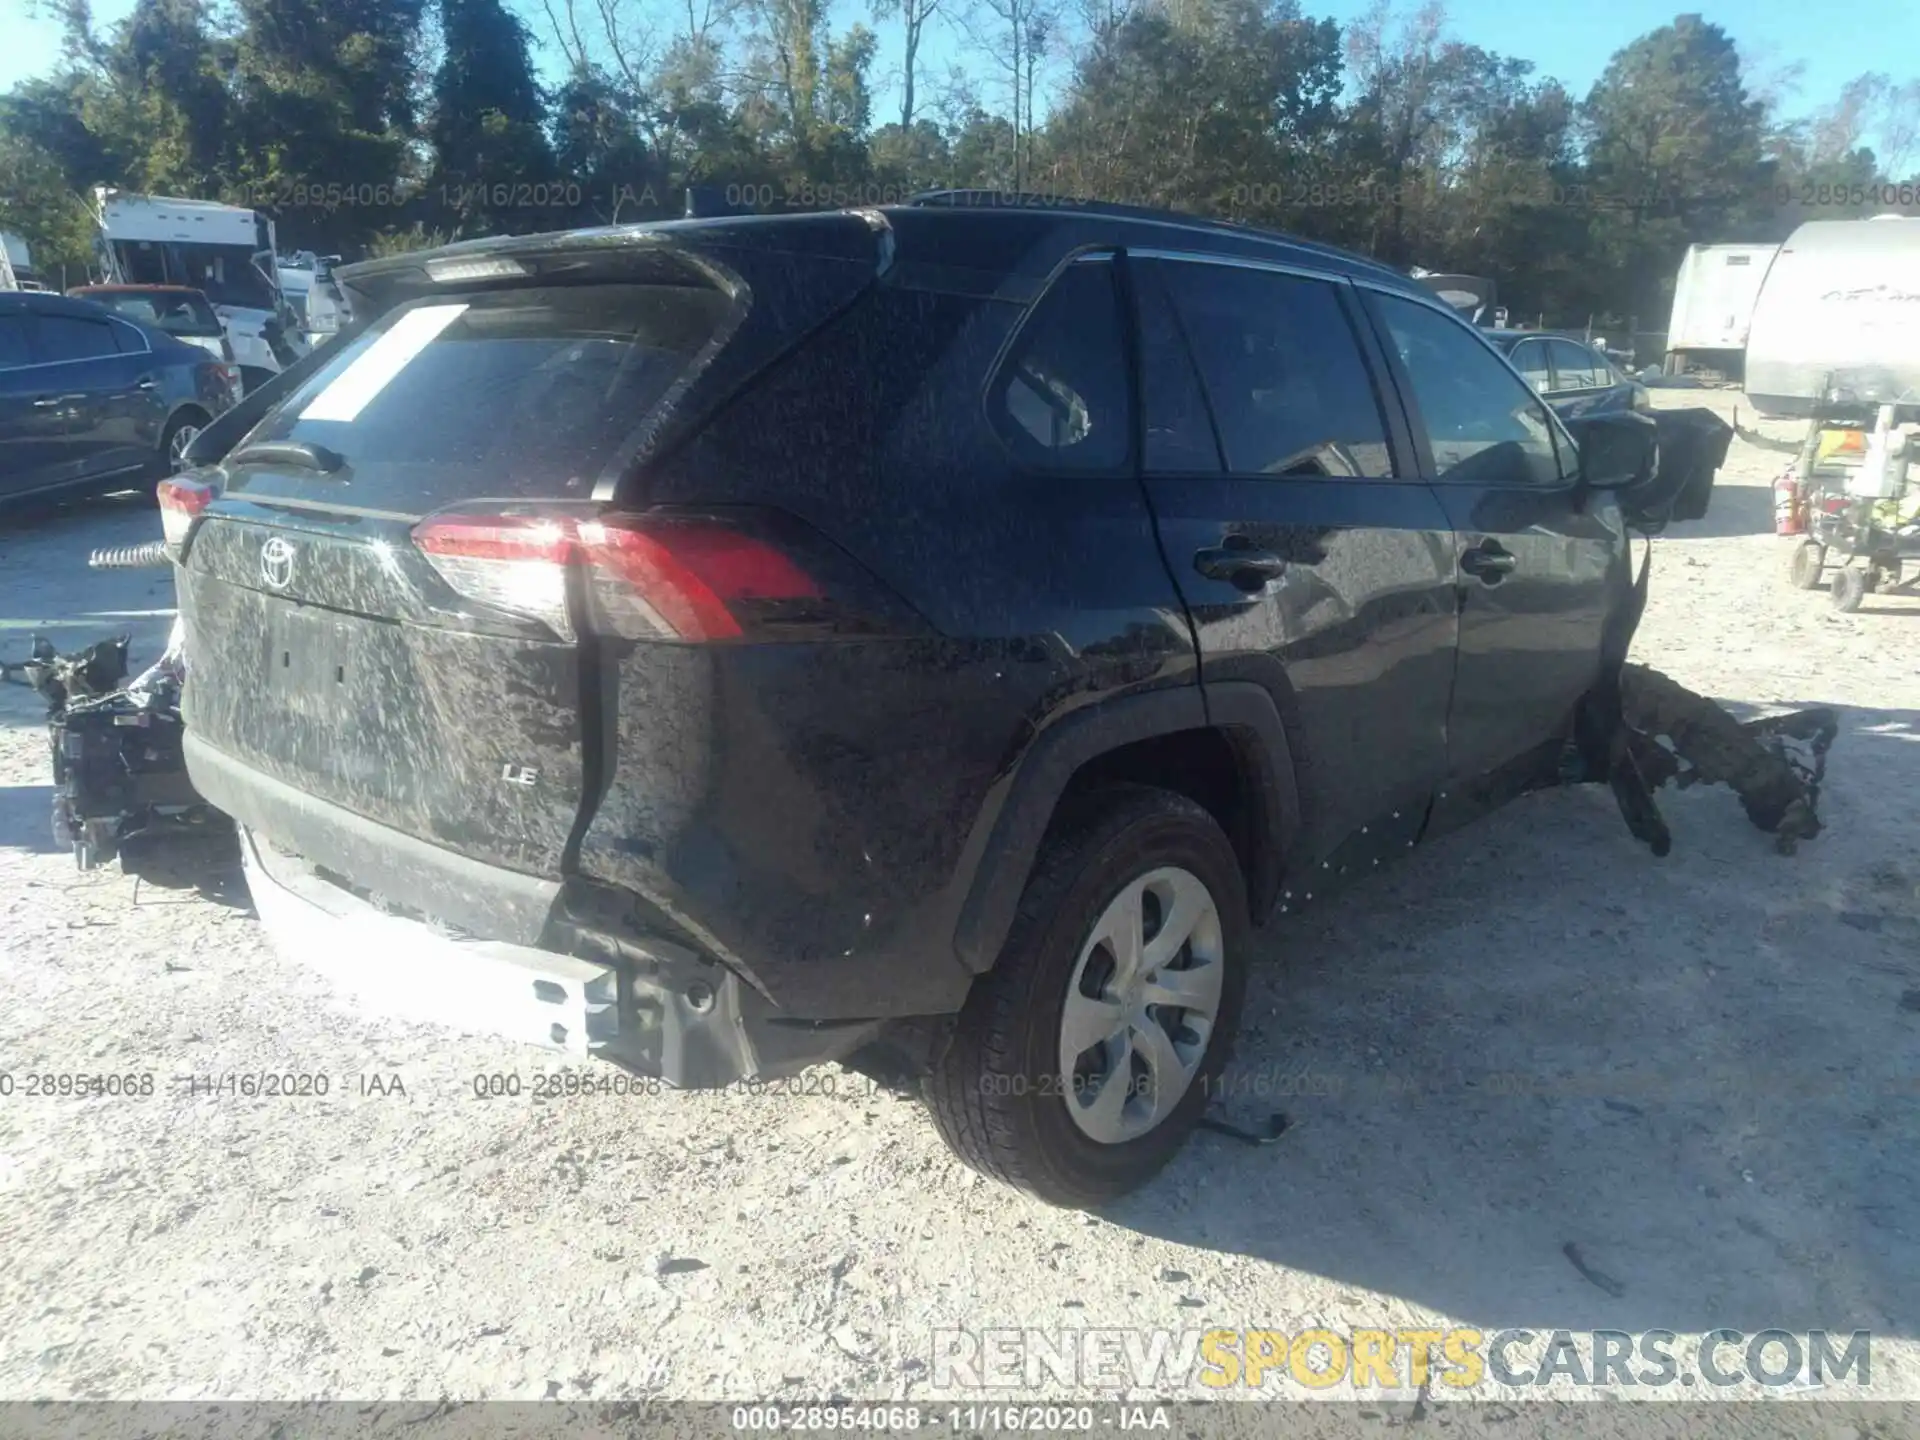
(928, 637)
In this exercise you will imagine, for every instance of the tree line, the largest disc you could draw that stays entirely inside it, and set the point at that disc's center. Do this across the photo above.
(370, 125)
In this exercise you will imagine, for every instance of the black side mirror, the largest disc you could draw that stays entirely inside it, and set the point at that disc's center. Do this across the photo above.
(1618, 450)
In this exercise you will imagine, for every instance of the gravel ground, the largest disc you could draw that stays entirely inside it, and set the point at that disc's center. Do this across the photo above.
(1716, 1049)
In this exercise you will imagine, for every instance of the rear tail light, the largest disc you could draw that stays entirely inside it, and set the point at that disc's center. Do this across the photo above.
(227, 376)
(687, 580)
(516, 563)
(694, 578)
(182, 503)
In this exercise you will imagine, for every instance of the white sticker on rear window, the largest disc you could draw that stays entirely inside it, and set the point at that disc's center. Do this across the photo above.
(376, 366)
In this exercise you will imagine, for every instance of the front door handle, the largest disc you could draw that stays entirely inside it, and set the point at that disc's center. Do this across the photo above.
(1240, 566)
(1487, 562)
(47, 402)
(148, 383)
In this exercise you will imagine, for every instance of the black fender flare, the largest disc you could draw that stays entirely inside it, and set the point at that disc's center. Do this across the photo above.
(1004, 848)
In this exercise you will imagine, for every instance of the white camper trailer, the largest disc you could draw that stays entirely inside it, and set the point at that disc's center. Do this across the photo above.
(16, 265)
(1838, 320)
(1713, 300)
(223, 250)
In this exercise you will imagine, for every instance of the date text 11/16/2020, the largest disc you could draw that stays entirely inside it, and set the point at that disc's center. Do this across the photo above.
(958, 1419)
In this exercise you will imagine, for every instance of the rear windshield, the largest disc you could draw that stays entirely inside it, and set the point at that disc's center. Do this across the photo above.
(175, 313)
(521, 394)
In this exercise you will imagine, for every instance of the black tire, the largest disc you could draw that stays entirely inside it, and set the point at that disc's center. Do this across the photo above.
(163, 464)
(996, 1094)
(1803, 568)
(1849, 588)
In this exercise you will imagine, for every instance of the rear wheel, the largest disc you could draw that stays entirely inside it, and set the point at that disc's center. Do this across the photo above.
(1803, 569)
(174, 440)
(1083, 1061)
(1849, 588)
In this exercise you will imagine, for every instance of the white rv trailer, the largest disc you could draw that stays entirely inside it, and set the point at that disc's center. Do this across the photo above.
(1838, 320)
(224, 250)
(1713, 299)
(16, 264)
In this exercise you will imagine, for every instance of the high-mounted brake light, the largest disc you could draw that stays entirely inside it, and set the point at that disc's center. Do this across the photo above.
(182, 502)
(482, 267)
(646, 577)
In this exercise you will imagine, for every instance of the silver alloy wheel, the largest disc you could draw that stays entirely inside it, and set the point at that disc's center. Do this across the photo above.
(1141, 1005)
(177, 447)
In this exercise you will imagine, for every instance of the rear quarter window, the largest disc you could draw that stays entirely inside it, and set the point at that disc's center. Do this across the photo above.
(516, 394)
(1060, 401)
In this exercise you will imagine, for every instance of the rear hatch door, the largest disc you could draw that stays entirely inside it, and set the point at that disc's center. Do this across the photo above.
(447, 695)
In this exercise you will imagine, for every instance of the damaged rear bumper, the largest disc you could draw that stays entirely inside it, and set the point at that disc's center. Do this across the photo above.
(653, 1009)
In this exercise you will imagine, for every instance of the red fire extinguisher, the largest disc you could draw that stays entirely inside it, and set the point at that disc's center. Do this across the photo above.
(1789, 518)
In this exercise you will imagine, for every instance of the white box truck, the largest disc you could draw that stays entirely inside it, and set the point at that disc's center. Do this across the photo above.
(1713, 299)
(223, 250)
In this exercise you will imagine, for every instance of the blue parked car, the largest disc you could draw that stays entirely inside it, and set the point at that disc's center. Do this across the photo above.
(1576, 379)
(90, 400)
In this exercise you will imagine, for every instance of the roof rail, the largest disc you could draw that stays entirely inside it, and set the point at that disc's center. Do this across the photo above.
(1019, 200)
(983, 199)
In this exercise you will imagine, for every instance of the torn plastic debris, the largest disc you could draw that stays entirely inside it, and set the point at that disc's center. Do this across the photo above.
(1775, 765)
(119, 773)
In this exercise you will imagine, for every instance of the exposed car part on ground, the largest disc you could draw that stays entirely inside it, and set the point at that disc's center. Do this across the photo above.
(1775, 765)
(927, 637)
(120, 778)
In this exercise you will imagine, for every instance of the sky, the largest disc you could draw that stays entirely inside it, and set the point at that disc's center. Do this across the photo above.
(1570, 42)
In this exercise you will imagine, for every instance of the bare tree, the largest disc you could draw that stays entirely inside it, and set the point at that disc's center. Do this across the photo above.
(1896, 130)
(914, 16)
(1013, 37)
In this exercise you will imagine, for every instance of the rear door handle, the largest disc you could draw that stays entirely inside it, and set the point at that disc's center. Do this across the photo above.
(1242, 567)
(47, 402)
(149, 383)
(1487, 562)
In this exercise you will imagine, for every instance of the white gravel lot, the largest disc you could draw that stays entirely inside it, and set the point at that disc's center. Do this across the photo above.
(1723, 1043)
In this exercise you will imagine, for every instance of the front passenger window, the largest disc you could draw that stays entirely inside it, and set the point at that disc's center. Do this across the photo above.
(1484, 425)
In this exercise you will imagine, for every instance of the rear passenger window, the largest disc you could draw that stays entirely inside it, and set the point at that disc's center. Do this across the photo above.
(71, 337)
(1290, 393)
(13, 342)
(1061, 399)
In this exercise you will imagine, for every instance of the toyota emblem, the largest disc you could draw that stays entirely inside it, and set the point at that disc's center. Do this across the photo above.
(276, 563)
